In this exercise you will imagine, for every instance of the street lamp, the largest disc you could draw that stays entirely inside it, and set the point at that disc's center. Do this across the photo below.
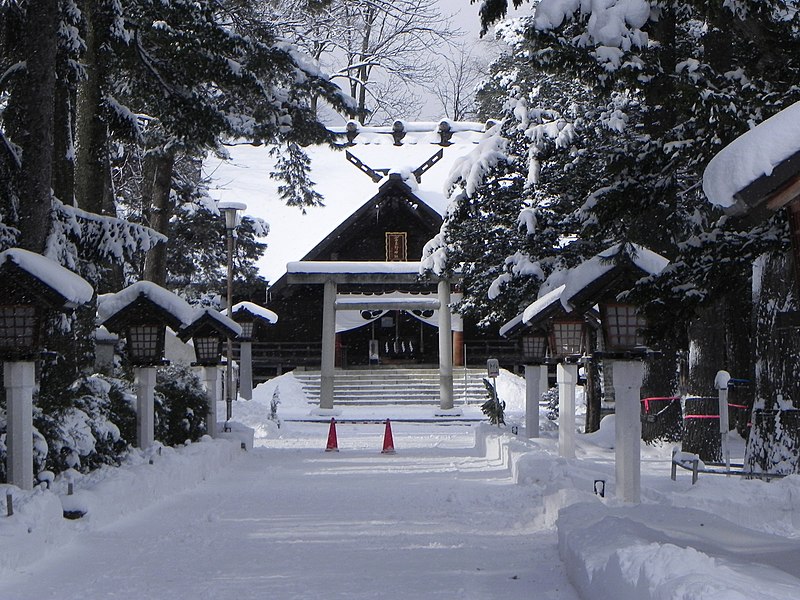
(207, 330)
(231, 212)
(31, 286)
(623, 326)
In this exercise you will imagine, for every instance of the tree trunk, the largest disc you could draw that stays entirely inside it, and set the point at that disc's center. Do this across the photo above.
(157, 184)
(64, 143)
(37, 139)
(706, 349)
(777, 351)
(91, 177)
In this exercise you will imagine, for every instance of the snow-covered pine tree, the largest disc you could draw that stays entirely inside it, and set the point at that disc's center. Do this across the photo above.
(671, 86)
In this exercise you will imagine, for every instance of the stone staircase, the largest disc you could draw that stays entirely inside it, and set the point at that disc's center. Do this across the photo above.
(396, 386)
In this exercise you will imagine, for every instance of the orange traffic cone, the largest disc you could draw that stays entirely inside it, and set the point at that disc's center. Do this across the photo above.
(333, 444)
(388, 442)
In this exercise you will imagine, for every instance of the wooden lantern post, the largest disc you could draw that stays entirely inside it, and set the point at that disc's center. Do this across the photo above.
(251, 317)
(208, 330)
(31, 286)
(141, 313)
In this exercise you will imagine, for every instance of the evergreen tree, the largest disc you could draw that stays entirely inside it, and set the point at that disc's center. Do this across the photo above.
(651, 90)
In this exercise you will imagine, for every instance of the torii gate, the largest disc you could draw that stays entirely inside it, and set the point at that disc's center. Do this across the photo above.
(332, 273)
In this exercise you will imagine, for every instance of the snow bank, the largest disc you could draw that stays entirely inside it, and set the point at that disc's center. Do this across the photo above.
(654, 552)
(105, 496)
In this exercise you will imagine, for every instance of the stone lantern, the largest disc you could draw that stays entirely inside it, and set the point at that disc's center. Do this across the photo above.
(31, 287)
(251, 317)
(208, 330)
(141, 313)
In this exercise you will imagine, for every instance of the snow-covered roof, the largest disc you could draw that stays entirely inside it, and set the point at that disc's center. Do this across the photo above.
(73, 288)
(577, 280)
(260, 312)
(360, 267)
(223, 323)
(246, 178)
(752, 155)
(580, 277)
(109, 305)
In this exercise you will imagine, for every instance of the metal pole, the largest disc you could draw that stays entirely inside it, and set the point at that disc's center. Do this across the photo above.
(229, 367)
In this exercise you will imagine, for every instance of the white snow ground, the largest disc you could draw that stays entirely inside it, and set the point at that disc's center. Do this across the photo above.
(460, 511)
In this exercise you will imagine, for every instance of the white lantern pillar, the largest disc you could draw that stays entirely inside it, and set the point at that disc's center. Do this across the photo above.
(19, 382)
(535, 387)
(628, 428)
(246, 370)
(145, 410)
(211, 382)
(567, 378)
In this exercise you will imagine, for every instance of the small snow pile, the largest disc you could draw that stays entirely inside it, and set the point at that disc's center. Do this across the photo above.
(603, 437)
(283, 393)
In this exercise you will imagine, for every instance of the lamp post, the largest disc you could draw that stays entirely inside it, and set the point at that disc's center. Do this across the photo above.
(231, 212)
(30, 287)
(207, 330)
(534, 354)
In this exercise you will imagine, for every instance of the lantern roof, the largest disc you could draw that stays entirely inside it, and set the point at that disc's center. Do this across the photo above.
(208, 320)
(144, 301)
(759, 165)
(244, 310)
(36, 278)
(579, 289)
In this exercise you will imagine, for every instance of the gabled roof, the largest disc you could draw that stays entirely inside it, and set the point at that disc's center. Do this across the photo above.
(345, 190)
(394, 183)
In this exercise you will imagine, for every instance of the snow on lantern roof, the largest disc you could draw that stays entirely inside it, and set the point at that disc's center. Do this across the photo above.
(261, 313)
(536, 309)
(109, 306)
(294, 233)
(208, 317)
(231, 204)
(70, 288)
(591, 271)
(755, 157)
(583, 283)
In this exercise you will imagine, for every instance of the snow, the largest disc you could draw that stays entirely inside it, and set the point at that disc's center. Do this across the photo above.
(256, 310)
(109, 305)
(546, 301)
(73, 288)
(361, 267)
(597, 266)
(293, 233)
(462, 510)
(752, 155)
(226, 323)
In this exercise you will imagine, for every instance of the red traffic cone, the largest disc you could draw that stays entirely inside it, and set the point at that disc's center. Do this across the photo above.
(388, 442)
(333, 445)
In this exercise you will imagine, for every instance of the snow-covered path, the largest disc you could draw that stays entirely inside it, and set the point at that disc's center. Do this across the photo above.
(289, 521)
